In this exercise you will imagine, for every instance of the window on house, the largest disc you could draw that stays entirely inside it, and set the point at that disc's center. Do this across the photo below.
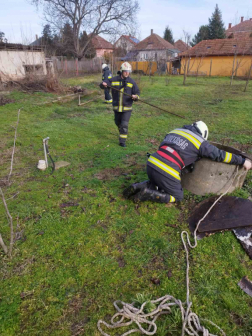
(146, 56)
(36, 69)
(209, 47)
(234, 45)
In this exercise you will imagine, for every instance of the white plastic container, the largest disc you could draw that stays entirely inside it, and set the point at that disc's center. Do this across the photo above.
(41, 165)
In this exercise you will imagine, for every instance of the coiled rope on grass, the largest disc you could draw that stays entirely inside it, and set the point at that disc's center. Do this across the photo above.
(129, 314)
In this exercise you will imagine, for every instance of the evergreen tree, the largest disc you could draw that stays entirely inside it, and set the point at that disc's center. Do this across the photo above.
(90, 51)
(2, 38)
(168, 36)
(203, 34)
(216, 25)
(47, 37)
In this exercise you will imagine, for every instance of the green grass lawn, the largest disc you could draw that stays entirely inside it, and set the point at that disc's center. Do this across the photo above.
(82, 245)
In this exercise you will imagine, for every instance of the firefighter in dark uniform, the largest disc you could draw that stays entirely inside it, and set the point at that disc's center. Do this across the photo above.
(106, 74)
(122, 104)
(179, 150)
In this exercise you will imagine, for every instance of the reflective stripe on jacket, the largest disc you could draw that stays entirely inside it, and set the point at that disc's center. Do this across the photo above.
(191, 147)
(121, 102)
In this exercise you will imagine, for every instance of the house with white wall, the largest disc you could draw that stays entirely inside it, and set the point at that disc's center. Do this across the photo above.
(17, 61)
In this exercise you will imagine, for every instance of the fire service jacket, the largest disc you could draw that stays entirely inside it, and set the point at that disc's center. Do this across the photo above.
(184, 146)
(107, 74)
(121, 102)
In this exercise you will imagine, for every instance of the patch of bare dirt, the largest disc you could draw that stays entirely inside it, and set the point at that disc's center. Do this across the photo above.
(154, 142)
(109, 174)
(4, 100)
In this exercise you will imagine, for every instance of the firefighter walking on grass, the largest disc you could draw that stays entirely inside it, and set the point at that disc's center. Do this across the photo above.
(178, 152)
(122, 104)
(106, 74)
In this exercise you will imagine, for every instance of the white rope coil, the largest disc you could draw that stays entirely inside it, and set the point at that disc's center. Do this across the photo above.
(129, 314)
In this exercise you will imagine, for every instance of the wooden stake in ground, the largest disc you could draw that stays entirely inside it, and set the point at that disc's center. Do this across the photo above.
(14, 146)
(10, 220)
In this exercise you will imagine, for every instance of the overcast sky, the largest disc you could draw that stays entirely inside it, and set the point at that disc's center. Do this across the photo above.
(21, 22)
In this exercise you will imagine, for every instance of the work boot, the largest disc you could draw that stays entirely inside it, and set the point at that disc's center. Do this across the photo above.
(122, 144)
(147, 194)
(134, 188)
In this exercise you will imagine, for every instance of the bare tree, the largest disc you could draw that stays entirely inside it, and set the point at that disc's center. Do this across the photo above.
(93, 16)
(249, 75)
(236, 65)
(187, 38)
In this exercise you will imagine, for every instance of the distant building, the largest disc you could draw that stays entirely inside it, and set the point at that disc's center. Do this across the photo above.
(154, 48)
(101, 46)
(242, 29)
(18, 61)
(219, 57)
(126, 42)
(181, 46)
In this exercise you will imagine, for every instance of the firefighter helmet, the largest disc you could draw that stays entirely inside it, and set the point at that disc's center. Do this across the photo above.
(104, 65)
(126, 67)
(202, 127)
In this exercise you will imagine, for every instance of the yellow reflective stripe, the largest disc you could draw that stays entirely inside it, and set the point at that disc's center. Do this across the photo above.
(123, 136)
(172, 199)
(189, 137)
(127, 108)
(164, 167)
(116, 83)
(130, 85)
(228, 157)
(109, 76)
(120, 107)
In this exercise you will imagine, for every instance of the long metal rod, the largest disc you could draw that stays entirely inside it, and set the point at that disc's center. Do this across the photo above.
(159, 108)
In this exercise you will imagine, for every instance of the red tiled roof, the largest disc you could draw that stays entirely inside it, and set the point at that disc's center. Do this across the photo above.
(100, 43)
(245, 26)
(181, 46)
(153, 42)
(224, 47)
(239, 35)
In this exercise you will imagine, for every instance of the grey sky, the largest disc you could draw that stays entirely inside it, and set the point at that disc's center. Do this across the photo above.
(21, 22)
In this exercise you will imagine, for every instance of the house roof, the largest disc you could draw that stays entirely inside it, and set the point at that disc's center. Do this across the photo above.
(15, 46)
(245, 26)
(154, 42)
(130, 38)
(99, 42)
(181, 46)
(131, 55)
(224, 47)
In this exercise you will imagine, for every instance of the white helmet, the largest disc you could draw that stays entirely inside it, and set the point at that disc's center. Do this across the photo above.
(202, 127)
(104, 65)
(126, 67)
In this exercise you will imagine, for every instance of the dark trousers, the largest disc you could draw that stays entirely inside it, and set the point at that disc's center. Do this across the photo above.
(122, 122)
(107, 94)
(170, 187)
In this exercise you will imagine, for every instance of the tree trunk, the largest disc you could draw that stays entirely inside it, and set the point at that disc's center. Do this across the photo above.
(247, 82)
(210, 72)
(231, 81)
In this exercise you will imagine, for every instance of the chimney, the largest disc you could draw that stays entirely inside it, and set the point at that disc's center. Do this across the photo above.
(151, 31)
(229, 25)
(36, 37)
(250, 19)
(242, 17)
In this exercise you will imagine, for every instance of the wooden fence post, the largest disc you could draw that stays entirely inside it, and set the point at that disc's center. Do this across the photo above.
(210, 71)
(249, 74)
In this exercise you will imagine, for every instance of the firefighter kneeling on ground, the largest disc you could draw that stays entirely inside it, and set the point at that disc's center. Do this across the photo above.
(106, 74)
(178, 152)
(122, 104)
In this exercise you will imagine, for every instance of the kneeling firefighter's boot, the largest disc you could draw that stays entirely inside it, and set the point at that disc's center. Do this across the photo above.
(134, 188)
(147, 194)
